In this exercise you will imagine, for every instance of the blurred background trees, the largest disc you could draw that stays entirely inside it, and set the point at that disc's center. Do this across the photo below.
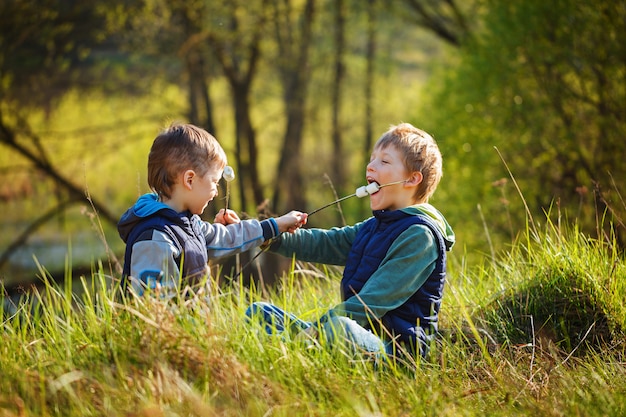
(297, 91)
(544, 84)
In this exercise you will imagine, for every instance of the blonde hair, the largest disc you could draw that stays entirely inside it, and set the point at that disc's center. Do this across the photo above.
(420, 152)
(178, 148)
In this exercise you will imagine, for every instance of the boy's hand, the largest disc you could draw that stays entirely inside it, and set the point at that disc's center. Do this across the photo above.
(291, 221)
(227, 217)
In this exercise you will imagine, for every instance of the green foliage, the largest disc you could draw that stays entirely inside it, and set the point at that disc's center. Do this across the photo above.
(50, 47)
(543, 82)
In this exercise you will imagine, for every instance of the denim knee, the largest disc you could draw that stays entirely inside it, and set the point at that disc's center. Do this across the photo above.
(341, 328)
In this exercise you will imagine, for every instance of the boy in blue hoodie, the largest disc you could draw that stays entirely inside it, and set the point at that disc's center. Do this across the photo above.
(395, 261)
(166, 239)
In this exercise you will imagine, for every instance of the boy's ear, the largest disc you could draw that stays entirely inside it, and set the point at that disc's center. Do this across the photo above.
(415, 178)
(188, 177)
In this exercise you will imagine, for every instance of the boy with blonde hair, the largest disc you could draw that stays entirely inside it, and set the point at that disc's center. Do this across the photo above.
(395, 261)
(166, 239)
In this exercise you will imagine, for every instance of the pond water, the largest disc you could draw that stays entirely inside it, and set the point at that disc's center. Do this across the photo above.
(78, 252)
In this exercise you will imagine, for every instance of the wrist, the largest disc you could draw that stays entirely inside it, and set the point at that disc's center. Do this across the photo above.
(270, 228)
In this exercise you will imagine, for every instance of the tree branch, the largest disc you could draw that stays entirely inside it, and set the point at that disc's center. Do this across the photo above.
(32, 228)
(8, 137)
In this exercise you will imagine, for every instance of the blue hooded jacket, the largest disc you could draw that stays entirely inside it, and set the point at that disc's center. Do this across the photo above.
(179, 245)
(395, 266)
(149, 215)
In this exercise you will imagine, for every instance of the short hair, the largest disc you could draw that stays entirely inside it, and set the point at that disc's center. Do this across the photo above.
(178, 148)
(420, 152)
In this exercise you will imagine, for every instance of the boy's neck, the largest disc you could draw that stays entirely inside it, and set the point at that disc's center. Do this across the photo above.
(173, 204)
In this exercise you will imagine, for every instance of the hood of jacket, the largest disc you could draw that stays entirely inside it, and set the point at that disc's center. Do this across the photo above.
(430, 211)
(146, 206)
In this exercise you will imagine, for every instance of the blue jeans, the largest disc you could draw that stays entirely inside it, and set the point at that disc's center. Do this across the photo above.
(336, 329)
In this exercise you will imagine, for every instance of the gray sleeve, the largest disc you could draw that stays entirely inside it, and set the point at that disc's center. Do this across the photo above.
(228, 240)
(159, 254)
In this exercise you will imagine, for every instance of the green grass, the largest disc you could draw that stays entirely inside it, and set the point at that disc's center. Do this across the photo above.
(539, 331)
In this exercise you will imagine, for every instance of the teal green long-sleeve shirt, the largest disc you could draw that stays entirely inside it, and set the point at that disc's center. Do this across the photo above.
(407, 265)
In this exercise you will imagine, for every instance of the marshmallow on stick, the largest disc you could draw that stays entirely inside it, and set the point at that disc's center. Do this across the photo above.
(368, 189)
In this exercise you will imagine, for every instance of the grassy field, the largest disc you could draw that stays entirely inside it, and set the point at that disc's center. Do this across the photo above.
(539, 331)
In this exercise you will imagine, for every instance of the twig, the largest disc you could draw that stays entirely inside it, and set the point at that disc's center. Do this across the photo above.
(332, 187)
(269, 242)
(97, 224)
(519, 191)
(339, 200)
(482, 219)
(532, 358)
(227, 195)
(577, 346)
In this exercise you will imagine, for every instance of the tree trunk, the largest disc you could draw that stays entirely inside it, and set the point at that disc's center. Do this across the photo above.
(338, 175)
(246, 150)
(289, 187)
(369, 84)
(200, 107)
(240, 69)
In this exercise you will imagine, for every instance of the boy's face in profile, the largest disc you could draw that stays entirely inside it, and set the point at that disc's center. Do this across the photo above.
(205, 189)
(387, 165)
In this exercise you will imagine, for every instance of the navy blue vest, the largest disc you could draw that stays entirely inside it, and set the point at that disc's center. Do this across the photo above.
(186, 235)
(418, 316)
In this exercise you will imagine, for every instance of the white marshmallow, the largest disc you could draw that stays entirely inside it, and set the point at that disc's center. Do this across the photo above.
(361, 192)
(368, 189)
(229, 173)
(372, 188)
